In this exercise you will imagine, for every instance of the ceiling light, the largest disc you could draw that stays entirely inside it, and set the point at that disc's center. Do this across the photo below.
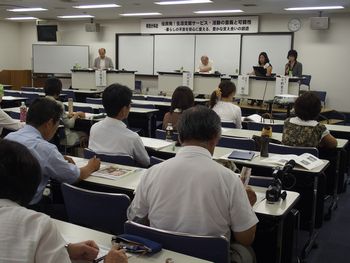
(22, 18)
(218, 11)
(29, 9)
(313, 8)
(76, 16)
(96, 6)
(183, 2)
(141, 14)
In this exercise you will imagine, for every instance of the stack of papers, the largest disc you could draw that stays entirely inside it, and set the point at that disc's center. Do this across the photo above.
(306, 160)
(113, 172)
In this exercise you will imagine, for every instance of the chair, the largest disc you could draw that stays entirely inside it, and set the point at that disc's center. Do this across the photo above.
(118, 159)
(322, 96)
(13, 93)
(237, 143)
(70, 93)
(14, 115)
(145, 106)
(138, 86)
(105, 212)
(306, 79)
(31, 97)
(161, 134)
(94, 100)
(211, 248)
(228, 125)
(151, 98)
(83, 109)
(285, 149)
(138, 97)
(155, 160)
(32, 89)
(257, 126)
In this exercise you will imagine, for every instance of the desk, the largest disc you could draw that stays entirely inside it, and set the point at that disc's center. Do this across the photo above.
(11, 101)
(84, 79)
(77, 234)
(82, 94)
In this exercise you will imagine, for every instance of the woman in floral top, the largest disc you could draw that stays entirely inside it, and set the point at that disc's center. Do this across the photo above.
(304, 130)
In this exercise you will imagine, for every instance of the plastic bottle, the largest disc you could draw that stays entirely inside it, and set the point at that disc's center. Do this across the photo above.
(23, 112)
(169, 132)
(70, 105)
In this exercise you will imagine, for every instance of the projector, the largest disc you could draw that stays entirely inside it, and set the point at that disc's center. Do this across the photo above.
(92, 27)
(285, 99)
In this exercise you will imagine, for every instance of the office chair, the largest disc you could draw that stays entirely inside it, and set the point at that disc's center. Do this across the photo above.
(285, 149)
(118, 159)
(228, 125)
(211, 248)
(105, 212)
(237, 143)
(257, 126)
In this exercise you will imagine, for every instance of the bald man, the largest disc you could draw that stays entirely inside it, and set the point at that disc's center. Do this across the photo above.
(205, 66)
(103, 62)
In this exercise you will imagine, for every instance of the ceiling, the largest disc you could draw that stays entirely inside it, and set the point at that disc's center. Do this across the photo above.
(64, 7)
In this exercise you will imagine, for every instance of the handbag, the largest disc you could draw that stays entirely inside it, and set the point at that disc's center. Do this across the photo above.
(137, 244)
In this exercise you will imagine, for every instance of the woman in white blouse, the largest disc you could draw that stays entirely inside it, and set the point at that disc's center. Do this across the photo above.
(264, 62)
(7, 122)
(221, 101)
(26, 235)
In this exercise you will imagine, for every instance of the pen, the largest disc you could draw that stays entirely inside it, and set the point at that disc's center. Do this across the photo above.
(99, 259)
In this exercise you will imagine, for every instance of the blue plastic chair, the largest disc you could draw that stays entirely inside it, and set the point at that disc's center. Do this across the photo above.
(306, 79)
(151, 98)
(322, 96)
(228, 125)
(118, 159)
(161, 134)
(237, 143)
(94, 100)
(83, 109)
(257, 126)
(105, 212)
(70, 93)
(285, 149)
(145, 106)
(211, 248)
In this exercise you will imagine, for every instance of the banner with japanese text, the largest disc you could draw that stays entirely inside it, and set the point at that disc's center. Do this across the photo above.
(197, 25)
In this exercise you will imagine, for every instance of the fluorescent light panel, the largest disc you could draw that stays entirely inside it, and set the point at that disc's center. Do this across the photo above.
(29, 9)
(141, 14)
(218, 11)
(183, 2)
(22, 18)
(313, 8)
(76, 16)
(96, 6)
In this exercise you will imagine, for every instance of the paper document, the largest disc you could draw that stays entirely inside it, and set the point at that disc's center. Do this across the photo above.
(306, 160)
(113, 172)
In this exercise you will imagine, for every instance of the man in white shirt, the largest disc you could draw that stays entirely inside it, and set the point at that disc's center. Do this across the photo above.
(205, 66)
(103, 62)
(191, 193)
(111, 136)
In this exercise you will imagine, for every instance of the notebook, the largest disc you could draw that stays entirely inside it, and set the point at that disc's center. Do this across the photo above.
(241, 155)
(259, 71)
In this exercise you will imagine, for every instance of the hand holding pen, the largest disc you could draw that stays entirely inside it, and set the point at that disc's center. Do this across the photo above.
(115, 255)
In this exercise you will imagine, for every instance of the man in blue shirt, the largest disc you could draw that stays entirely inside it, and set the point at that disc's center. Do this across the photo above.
(42, 123)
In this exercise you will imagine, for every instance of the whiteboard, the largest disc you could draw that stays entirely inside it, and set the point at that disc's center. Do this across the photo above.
(173, 52)
(59, 59)
(275, 45)
(136, 53)
(223, 50)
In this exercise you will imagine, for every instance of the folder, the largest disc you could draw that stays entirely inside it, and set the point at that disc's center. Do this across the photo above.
(241, 155)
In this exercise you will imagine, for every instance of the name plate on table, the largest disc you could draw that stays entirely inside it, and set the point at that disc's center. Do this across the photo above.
(282, 85)
(101, 78)
(243, 85)
(187, 79)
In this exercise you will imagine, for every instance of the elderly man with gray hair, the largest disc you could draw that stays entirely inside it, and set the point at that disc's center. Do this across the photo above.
(191, 193)
(205, 65)
(103, 62)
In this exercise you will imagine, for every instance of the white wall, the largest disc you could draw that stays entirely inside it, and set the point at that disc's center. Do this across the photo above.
(325, 54)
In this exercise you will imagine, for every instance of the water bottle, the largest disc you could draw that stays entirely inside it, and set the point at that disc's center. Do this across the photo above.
(70, 106)
(169, 132)
(23, 112)
(290, 73)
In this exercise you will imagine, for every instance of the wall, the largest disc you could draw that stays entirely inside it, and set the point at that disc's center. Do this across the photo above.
(324, 54)
(9, 46)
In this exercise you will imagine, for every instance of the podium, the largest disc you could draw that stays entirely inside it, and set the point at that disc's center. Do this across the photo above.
(85, 79)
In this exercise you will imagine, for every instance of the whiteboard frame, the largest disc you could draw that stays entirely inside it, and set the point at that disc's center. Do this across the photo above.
(34, 72)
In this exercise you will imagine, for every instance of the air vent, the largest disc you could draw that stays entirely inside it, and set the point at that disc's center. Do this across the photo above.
(249, 5)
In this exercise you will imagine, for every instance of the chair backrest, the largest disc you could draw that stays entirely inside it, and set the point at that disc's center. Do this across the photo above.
(83, 109)
(321, 95)
(151, 98)
(138, 97)
(261, 181)
(155, 160)
(306, 79)
(257, 126)
(31, 97)
(212, 248)
(69, 93)
(138, 86)
(118, 159)
(13, 93)
(161, 134)
(145, 106)
(228, 125)
(94, 100)
(237, 143)
(14, 115)
(285, 149)
(97, 210)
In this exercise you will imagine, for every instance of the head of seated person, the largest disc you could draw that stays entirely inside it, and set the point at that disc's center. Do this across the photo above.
(53, 87)
(308, 106)
(199, 126)
(116, 100)
(20, 173)
(181, 100)
(225, 92)
(44, 114)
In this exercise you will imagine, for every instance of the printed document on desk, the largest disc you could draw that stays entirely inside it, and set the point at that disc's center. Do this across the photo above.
(306, 160)
(113, 172)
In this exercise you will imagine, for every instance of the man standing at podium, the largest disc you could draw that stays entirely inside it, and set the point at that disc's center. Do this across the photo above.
(206, 65)
(103, 62)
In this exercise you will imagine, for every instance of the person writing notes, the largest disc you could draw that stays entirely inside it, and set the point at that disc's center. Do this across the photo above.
(293, 67)
(205, 66)
(103, 62)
